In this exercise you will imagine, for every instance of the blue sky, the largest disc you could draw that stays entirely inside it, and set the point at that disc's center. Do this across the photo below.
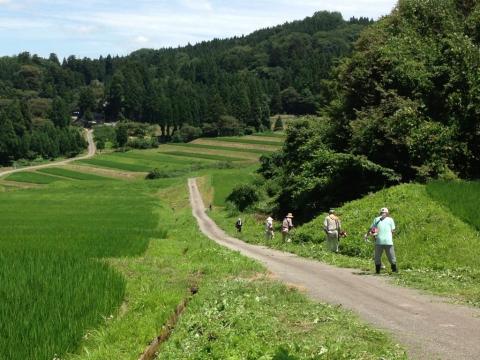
(93, 28)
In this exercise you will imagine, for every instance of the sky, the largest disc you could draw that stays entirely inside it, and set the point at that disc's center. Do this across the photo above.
(93, 28)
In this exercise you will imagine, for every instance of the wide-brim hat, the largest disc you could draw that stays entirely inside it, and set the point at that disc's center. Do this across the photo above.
(289, 215)
(269, 218)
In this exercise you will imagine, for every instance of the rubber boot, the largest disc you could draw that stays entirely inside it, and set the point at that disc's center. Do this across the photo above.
(394, 268)
(377, 268)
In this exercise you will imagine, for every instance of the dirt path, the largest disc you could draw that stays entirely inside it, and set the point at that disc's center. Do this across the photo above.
(427, 326)
(91, 152)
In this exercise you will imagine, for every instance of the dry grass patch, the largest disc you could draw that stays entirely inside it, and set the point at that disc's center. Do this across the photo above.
(236, 145)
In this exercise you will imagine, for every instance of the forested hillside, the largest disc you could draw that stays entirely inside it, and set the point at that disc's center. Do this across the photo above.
(221, 87)
(404, 106)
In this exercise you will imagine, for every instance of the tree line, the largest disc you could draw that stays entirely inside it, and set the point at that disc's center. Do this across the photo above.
(212, 88)
(404, 106)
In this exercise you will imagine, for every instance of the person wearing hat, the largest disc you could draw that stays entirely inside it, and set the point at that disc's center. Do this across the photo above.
(382, 229)
(332, 227)
(239, 225)
(269, 234)
(287, 225)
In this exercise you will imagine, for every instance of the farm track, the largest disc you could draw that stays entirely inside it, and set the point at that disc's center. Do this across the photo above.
(428, 326)
(91, 152)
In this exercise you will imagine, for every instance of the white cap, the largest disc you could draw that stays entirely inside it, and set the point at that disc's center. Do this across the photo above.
(383, 210)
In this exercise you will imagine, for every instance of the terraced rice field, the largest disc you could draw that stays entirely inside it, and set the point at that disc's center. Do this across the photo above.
(53, 282)
(59, 239)
(69, 174)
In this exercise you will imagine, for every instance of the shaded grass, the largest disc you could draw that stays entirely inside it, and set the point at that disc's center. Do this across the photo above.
(71, 174)
(461, 197)
(32, 177)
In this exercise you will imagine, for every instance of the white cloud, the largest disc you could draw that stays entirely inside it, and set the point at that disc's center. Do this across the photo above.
(142, 40)
(202, 5)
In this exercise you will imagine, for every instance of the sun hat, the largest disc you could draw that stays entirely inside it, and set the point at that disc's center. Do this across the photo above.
(289, 215)
(269, 218)
(383, 210)
(331, 211)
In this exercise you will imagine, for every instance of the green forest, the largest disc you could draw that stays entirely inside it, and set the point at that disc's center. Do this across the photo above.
(219, 87)
(404, 106)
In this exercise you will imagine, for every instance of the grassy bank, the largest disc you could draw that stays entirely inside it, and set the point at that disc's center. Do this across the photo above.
(435, 249)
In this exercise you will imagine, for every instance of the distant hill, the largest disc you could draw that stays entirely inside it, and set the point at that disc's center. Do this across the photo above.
(274, 70)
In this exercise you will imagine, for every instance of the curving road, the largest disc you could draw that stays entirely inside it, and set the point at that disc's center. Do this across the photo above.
(426, 325)
(91, 152)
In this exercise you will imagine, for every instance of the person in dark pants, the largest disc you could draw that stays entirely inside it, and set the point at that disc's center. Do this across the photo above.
(239, 225)
(382, 229)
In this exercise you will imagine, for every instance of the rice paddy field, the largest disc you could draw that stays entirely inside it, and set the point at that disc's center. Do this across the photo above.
(93, 266)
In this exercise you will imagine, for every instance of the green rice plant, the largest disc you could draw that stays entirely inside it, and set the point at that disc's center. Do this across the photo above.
(32, 177)
(203, 156)
(241, 140)
(71, 174)
(54, 282)
(49, 298)
(461, 197)
(103, 162)
(276, 134)
(222, 148)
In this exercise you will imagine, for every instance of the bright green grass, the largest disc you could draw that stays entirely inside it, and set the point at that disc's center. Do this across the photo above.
(241, 140)
(138, 161)
(232, 317)
(223, 181)
(461, 197)
(223, 148)
(53, 288)
(103, 162)
(32, 177)
(271, 134)
(435, 250)
(71, 174)
(203, 156)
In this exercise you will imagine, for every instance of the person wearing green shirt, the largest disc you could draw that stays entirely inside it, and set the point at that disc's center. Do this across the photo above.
(382, 229)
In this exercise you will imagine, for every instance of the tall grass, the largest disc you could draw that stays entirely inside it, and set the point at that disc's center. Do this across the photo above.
(53, 288)
(461, 197)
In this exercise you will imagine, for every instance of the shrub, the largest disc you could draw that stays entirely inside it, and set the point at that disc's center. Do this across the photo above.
(330, 179)
(243, 196)
(156, 174)
(187, 133)
(278, 126)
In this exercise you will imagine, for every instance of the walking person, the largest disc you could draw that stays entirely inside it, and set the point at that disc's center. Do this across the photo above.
(269, 234)
(239, 225)
(382, 229)
(287, 226)
(332, 227)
